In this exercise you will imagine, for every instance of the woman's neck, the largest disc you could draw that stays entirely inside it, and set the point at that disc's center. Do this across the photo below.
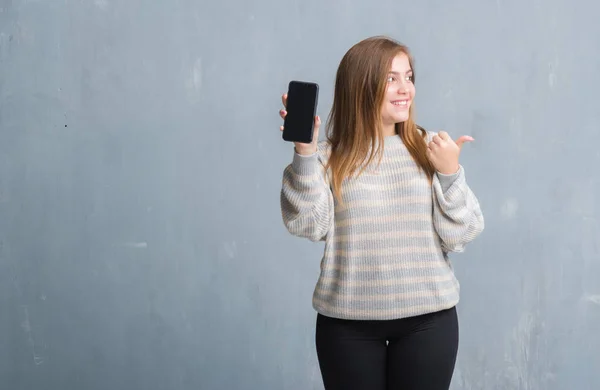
(389, 130)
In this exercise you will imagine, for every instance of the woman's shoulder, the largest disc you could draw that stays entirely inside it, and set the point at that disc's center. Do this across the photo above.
(324, 150)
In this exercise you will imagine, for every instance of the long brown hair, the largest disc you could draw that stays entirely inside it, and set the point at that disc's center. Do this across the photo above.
(354, 126)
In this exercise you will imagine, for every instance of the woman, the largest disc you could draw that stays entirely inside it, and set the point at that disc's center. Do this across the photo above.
(390, 200)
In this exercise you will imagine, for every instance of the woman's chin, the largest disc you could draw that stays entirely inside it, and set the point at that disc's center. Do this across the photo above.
(401, 118)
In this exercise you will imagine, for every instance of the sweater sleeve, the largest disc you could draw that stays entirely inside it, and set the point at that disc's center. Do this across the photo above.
(457, 216)
(306, 198)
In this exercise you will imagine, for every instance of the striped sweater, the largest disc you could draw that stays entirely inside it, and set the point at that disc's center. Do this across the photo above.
(386, 246)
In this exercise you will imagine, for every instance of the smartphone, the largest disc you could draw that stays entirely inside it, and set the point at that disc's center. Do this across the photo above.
(301, 107)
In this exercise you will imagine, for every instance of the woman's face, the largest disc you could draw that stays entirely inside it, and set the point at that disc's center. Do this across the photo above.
(400, 92)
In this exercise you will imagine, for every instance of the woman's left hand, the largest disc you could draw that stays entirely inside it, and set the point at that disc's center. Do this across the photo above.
(443, 152)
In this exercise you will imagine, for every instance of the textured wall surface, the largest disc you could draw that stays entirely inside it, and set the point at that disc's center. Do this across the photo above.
(141, 242)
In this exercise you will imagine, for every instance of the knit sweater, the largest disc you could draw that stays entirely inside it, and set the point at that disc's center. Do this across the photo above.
(387, 243)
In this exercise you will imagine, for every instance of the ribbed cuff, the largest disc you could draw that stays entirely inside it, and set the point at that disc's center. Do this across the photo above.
(446, 181)
(305, 165)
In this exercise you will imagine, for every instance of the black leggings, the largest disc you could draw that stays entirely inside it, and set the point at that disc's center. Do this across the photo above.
(416, 353)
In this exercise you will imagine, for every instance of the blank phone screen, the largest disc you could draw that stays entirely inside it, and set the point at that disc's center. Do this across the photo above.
(301, 110)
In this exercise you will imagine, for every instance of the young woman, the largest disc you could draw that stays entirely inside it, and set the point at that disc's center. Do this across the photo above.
(390, 201)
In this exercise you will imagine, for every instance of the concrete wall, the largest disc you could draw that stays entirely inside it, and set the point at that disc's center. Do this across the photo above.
(141, 242)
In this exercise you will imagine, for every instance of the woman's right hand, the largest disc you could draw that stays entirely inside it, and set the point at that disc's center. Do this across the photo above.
(301, 148)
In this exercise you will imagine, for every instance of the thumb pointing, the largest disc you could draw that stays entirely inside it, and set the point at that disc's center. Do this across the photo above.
(465, 138)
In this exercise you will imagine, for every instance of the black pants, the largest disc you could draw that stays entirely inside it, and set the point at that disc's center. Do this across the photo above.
(417, 353)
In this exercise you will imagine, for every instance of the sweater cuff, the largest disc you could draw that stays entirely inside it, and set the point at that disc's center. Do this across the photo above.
(446, 181)
(305, 165)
